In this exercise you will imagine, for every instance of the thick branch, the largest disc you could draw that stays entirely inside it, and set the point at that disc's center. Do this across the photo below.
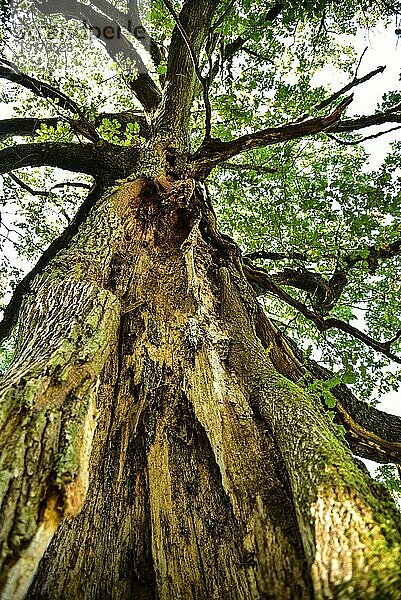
(375, 255)
(204, 81)
(39, 88)
(262, 279)
(24, 126)
(371, 433)
(107, 161)
(214, 152)
(45, 90)
(142, 85)
(180, 83)
(389, 116)
(28, 126)
(131, 20)
(324, 294)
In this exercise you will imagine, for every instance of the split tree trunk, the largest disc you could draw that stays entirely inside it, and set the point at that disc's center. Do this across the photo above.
(146, 429)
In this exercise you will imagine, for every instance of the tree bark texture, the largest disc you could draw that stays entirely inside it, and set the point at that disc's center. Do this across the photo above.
(150, 448)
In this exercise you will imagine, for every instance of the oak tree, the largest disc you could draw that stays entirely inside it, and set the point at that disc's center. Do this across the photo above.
(187, 373)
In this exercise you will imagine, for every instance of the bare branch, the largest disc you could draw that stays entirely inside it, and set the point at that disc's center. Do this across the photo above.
(195, 61)
(27, 187)
(392, 115)
(45, 90)
(39, 88)
(323, 293)
(363, 139)
(129, 20)
(215, 151)
(355, 82)
(261, 278)
(77, 184)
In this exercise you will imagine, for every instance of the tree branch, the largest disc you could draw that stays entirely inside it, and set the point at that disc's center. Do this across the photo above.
(195, 61)
(324, 294)
(28, 188)
(45, 90)
(261, 278)
(392, 115)
(131, 18)
(109, 161)
(215, 151)
(371, 433)
(26, 127)
(39, 88)
(355, 82)
(364, 139)
(179, 90)
(142, 85)
(374, 255)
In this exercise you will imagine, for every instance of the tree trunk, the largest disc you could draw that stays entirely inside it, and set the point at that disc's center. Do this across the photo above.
(211, 475)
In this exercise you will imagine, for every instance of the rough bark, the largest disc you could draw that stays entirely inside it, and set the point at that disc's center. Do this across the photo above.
(145, 425)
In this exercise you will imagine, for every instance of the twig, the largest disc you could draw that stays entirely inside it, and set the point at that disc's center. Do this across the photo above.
(222, 17)
(364, 139)
(360, 61)
(27, 187)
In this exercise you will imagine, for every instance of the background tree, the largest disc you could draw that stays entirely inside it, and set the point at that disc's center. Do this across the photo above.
(165, 429)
